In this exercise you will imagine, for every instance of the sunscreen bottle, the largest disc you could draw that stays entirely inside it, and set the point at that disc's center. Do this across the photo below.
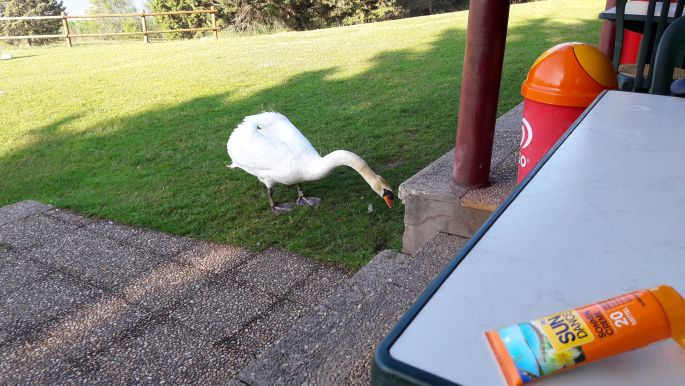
(535, 349)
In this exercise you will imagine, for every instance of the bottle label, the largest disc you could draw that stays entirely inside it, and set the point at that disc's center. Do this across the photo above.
(565, 330)
(531, 350)
(544, 346)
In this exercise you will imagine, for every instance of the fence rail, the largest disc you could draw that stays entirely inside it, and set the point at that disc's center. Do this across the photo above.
(68, 36)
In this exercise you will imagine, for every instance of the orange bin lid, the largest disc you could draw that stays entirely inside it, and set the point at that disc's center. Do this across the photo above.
(569, 74)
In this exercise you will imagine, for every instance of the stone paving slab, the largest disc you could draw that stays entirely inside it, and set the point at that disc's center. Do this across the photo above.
(33, 230)
(150, 241)
(310, 291)
(253, 338)
(185, 276)
(20, 210)
(69, 217)
(221, 309)
(164, 350)
(214, 258)
(418, 270)
(334, 345)
(16, 272)
(66, 350)
(87, 301)
(24, 309)
(322, 348)
(164, 286)
(101, 261)
(276, 271)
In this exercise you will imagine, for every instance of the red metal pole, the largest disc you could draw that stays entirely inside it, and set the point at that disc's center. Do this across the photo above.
(486, 38)
(608, 33)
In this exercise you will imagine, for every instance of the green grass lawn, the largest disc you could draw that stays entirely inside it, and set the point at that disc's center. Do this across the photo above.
(137, 133)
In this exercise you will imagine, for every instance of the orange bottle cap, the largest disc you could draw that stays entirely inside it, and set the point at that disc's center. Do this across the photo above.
(674, 307)
(569, 74)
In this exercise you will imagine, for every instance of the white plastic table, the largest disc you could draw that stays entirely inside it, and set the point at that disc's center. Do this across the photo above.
(603, 214)
(637, 11)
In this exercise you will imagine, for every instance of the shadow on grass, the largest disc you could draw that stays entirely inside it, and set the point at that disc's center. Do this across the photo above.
(164, 168)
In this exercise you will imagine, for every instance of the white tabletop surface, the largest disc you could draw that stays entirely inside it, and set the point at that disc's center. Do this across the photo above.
(604, 216)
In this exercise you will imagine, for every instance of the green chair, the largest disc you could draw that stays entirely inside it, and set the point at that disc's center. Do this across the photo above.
(638, 76)
(670, 55)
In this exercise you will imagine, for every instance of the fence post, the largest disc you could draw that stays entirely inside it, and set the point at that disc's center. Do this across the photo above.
(65, 24)
(145, 38)
(216, 30)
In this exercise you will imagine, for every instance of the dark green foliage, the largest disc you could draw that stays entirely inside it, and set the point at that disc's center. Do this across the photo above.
(292, 14)
(31, 27)
(311, 14)
(301, 15)
(430, 7)
(365, 11)
(181, 21)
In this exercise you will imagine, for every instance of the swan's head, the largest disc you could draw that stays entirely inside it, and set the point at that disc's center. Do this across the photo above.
(381, 187)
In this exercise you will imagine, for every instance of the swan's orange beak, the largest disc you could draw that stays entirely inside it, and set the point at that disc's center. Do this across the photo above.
(388, 201)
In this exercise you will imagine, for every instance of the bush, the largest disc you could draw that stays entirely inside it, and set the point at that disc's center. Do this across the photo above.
(12, 8)
(181, 21)
(365, 11)
(249, 15)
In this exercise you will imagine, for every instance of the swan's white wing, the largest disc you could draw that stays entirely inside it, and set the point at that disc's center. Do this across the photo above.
(252, 151)
(277, 126)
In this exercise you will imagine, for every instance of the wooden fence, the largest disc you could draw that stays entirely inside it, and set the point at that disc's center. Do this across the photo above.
(145, 33)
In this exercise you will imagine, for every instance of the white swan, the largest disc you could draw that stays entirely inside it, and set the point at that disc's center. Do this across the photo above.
(271, 148)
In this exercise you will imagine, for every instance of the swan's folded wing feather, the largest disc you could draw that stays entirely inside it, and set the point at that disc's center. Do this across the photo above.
(277, 126)
(250, 149)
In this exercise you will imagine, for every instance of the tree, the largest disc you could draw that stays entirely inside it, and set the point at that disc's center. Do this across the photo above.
(366, 11)
(109, 25)
(12, 8)
(310, 14)
(181, 21)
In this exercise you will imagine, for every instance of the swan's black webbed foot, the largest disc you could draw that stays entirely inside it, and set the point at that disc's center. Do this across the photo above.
(282, 208)
(278, 208)
(308, 201)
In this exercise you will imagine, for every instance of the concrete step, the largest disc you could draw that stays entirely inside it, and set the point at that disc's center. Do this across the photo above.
(334, 344)
(433, 203)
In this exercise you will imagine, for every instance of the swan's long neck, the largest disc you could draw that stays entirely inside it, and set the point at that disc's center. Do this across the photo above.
(325, 165)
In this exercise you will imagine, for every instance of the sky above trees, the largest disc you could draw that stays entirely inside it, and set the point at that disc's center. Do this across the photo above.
(78, 7)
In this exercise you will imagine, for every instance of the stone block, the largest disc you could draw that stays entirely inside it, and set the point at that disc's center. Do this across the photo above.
(99, 260)
(219, 310)
(154, 242)
(276, 271)
(322, 348)
(10, 213)
(69, 217)
(164, 350)
(318, 285)
(29, 309)
(15, 272)
(32, 231)
(214, 258)
(433, 203)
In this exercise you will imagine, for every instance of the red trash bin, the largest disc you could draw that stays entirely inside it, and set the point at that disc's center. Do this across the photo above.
(631, 44)
(563, 81)
(631, 47)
